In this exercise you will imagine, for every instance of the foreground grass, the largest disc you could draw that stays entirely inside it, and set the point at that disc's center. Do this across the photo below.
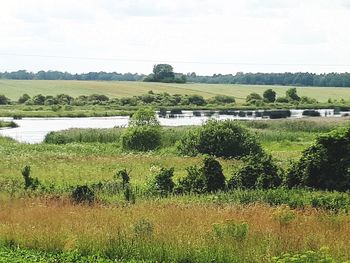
(15, 88)
(171, 232)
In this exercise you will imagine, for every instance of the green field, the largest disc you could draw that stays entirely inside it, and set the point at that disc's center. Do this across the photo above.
(237, 225)
(15, 88)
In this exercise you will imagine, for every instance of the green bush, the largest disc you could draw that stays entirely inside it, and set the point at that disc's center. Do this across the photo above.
(29, 182)
(163, 182)
(208, 178)
(194, 182)
(257, 172)
(83, 194)
(219, 138)
(214, 177)
(141, 138)
(123, 175)
(324, 165)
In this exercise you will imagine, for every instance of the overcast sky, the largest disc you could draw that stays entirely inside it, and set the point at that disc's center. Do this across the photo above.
(205, 36)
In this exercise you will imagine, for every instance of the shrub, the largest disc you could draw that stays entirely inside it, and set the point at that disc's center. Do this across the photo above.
(282, 100)
(141, 138)
(4, 100)
(291, 94)
(269, 95)
(83, 194)
(208, 178)
(223, 99)
(324, 165)
(163, 183)
(23, 98)
(258, 172)
(194, 182)
(124, 176)
(214, 177)
(29, 182)
(253, 97)
(144, 117)
(219, 138)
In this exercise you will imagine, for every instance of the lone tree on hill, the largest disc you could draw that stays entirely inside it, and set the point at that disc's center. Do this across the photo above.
(165, 73)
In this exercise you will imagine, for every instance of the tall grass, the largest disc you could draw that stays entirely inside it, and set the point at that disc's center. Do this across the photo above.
(170, 232)
(8, 124)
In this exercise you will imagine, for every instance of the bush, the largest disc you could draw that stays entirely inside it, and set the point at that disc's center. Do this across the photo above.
(163, 182)
(124, 176)
(141, 138)
(219, 138)
(223, 99)
(4, 100)
(208, 178)
(258, 172)
(29, 182)
(324, 165)
(269, 95)
(194, 182)
(83, 194)
(282, 100)
(253, 97)
(214, 177)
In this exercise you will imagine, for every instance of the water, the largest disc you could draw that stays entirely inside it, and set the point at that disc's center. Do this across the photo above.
(34, 130)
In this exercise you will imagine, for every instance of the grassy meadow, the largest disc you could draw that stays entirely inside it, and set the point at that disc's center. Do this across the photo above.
(15, 88)
(44, 225)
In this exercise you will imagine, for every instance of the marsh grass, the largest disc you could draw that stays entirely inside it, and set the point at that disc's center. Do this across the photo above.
(8, 124)
(170, 232)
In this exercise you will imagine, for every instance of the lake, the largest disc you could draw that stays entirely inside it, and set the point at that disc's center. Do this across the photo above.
(34, 130)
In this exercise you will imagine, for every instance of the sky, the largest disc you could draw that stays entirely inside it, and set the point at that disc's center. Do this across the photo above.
(202, 36)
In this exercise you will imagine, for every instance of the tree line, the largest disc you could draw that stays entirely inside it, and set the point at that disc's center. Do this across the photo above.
(58, 75)
(288, 78)
(164, 73)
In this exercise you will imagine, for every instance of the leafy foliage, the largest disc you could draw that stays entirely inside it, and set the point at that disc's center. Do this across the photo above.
(219, 138)
(324, 165)
(208, 178)
(83, 194)
(162, 182)
(257, 172)
(29, 182)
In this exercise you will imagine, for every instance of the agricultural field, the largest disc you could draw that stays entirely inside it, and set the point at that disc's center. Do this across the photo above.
(39, 220)
(15, 88)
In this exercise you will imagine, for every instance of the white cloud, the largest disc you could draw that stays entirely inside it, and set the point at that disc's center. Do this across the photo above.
(247, 35)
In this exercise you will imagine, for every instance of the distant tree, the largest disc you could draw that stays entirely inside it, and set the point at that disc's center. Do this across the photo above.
(23, 98)
(269, 95)
(196, 100)
(163, 72)
(144, 117)
(39, 99)
(253, 97)
(291, 94)
(4, 100)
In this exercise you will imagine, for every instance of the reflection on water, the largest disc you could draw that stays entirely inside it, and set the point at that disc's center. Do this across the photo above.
(33, 130)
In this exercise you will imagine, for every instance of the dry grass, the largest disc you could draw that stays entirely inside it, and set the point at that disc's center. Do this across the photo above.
(58, 225)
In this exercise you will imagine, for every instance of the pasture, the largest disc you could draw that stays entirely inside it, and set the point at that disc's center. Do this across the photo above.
(15, 88)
